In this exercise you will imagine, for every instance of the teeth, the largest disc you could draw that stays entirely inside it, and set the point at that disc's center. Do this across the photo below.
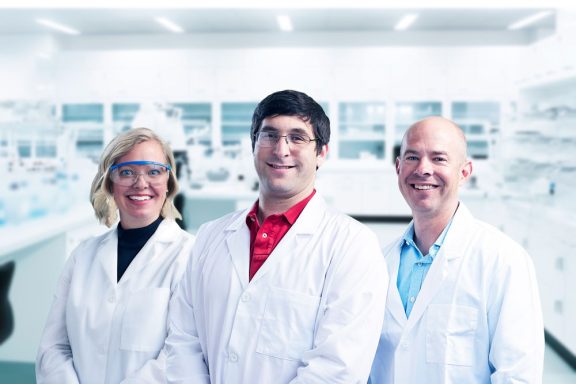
(281, 166)
(423, 187)
(139, 198)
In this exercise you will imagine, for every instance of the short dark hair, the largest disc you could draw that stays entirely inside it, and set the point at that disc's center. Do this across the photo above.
(293, 103)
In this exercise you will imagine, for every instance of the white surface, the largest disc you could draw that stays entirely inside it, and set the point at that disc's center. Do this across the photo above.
(16, 237)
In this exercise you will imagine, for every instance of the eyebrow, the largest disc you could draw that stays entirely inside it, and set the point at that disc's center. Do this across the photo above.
(434, 153)
(269, 128)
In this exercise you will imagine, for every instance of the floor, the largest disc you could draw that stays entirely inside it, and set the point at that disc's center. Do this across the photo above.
(556, 371)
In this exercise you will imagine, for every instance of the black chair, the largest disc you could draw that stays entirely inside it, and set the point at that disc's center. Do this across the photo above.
(6, 315)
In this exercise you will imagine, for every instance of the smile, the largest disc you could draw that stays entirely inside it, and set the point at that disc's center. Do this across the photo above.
(139, 198)
(277, 166)
(423, 187)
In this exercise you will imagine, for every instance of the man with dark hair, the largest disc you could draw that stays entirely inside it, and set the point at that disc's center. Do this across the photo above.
(289, 291)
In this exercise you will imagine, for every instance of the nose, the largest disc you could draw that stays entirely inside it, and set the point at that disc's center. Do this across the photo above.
(424, 168)
(140, 181)
(282, 147)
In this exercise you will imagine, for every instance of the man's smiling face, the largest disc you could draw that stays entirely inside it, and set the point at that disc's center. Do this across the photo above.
(432, 166)
(287, 170)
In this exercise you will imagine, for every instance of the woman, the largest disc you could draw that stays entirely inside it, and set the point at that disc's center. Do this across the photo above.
(108, 320)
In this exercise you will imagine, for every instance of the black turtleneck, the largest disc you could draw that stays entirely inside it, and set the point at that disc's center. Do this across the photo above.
(130, 242)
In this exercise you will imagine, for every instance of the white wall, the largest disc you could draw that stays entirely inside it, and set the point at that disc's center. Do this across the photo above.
(376, 73)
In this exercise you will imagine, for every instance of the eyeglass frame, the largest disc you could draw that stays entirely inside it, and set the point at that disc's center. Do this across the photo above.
(138, 162)
(288, 142)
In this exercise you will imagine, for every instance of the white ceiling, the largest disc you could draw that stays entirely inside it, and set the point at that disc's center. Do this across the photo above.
(112, 22)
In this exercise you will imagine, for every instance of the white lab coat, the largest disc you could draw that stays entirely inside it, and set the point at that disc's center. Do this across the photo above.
(100, 331)
(476, 320)
(311, 314)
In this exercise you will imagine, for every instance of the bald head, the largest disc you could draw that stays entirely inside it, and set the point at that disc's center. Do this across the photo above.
(450, 133)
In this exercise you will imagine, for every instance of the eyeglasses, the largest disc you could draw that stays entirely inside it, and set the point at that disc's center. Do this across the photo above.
(126, 174)
(271, 138)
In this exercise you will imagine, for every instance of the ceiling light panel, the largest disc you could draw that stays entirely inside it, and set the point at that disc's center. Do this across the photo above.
(406, 22)
(284, 23)
(169, 25)
(529, 20)
(58, 26)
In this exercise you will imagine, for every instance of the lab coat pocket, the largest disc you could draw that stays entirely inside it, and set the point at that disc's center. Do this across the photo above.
(144, 322)
(287, 328)
(450, 334)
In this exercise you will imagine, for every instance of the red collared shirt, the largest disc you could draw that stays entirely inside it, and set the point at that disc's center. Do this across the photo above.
(264, 238)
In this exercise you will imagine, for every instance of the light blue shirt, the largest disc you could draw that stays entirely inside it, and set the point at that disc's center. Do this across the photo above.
(414, 267)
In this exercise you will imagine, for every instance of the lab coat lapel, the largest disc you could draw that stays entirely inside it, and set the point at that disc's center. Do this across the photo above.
(238, 243)
(394, 302)
(452, 249)
(107, 255)
(300, 233)
(153, 248)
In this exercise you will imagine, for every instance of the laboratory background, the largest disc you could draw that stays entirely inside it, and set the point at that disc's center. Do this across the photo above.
(71, 79)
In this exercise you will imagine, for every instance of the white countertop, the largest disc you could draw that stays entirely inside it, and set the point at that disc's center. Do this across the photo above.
(14, 237)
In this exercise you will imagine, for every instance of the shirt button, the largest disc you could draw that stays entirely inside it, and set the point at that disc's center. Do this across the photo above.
(412, 299)
(419, 264)
(264, 235)
(111, 298)
(245, 297)
(233, 357)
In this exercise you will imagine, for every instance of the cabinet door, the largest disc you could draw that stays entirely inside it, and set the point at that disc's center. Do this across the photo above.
(547, 249)
(566, 250)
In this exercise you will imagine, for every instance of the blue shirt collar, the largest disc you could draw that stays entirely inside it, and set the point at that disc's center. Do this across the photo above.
(408, 239)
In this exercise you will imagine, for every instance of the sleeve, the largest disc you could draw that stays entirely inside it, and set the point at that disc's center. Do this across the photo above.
(350, 315)
(153, 372)
(515, 322)
(184, 356)
(54, 364)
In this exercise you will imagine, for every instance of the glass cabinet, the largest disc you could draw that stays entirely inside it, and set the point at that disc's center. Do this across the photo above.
(86, 120)
(123, 115)
(197, 121)
(236, 121)
(478, 119)
(362, 129)
(407, 113)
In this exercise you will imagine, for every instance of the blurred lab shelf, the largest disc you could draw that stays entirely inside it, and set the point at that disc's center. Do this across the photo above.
(15, 237)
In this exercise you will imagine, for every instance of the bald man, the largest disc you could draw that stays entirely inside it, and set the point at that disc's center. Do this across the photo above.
(462, 303)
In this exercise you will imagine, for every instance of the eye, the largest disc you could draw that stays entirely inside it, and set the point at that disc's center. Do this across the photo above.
(273, 135)
(125, 172)
(297, 138)
(411, 158)
(155, 172)
(440, 159)
(270, 136)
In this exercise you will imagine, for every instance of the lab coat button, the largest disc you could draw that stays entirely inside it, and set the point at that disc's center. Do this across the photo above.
(404, 345)
(233, 357)
(245, 297)
(111, 298)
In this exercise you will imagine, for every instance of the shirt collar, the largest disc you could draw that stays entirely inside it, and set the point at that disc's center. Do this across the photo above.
(408, 239)
(290, 215)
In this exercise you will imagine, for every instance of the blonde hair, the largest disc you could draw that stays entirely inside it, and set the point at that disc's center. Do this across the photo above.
(101, 191)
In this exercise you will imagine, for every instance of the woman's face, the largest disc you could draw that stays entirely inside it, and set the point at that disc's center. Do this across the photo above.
(141, 202)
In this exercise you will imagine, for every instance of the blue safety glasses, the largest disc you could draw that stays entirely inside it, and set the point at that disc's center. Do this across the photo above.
(126, 174)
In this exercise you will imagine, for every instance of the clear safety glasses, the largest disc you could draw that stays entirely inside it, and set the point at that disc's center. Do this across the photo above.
(269, 139)
(126, 174)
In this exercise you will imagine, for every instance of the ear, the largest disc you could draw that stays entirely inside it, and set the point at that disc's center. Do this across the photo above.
(398, 165)
(321, 157)
(465, 171)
